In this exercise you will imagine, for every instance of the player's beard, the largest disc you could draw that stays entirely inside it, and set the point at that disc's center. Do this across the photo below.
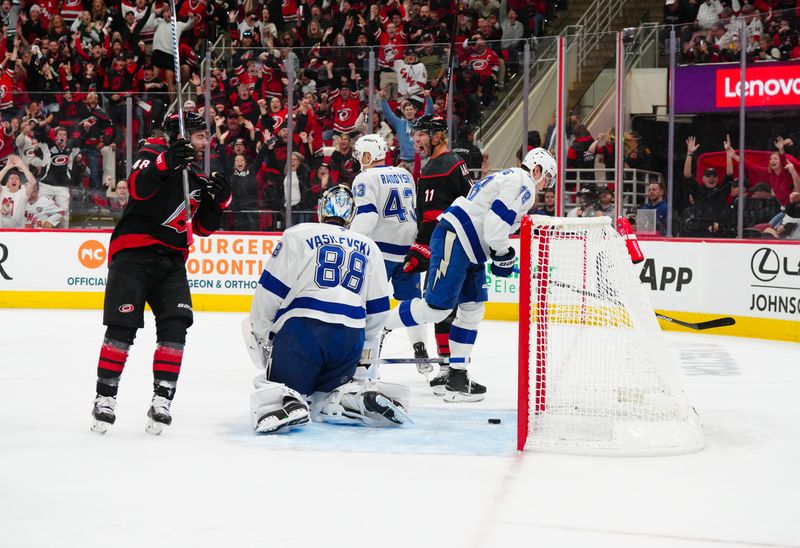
(424, 149)
(438, 145)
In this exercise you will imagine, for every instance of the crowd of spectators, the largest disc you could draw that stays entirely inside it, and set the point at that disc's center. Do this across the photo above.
(771, 200)
(70, 67)
(710, 30)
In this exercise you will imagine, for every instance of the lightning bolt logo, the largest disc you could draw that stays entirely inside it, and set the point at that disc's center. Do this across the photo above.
(444, 264)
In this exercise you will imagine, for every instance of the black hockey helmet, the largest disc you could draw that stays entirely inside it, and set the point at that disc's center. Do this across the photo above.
(430, 124)
(191, 120)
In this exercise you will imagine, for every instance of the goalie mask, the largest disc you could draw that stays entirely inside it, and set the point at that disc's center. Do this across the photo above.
(337, 205)
(373, 144)
(540, 157)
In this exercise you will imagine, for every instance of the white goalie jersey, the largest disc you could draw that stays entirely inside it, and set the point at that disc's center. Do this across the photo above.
(491, 212)
(326, 272)
(386, 199)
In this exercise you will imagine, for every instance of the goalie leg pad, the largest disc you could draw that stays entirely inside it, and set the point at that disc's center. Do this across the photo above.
(260, 354)
(275, 407)
(353, 403)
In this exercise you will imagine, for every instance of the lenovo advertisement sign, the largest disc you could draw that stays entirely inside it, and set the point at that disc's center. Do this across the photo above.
(714, 88)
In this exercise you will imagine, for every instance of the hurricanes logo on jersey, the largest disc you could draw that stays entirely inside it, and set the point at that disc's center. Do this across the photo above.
(59, 159)
(344, 114)
(479, 64)
(177, 221)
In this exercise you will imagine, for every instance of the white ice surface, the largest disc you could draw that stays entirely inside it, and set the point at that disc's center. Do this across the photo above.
(450, 480)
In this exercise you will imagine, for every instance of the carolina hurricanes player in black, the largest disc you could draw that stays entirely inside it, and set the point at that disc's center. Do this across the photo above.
(147, 257)
(442, 180)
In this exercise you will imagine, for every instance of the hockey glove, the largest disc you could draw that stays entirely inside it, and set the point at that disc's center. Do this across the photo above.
(503, 265)
(417, 259)
(179, 155)
(219, 188)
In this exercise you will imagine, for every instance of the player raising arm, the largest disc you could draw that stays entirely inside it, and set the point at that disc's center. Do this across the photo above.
(147, 264)
(317, 314)
(471, 231)
(386, 199)
(443, 179)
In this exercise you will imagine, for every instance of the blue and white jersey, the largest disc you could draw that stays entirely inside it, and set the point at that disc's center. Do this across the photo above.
(386, 200)
(491, 212)
(326, 272)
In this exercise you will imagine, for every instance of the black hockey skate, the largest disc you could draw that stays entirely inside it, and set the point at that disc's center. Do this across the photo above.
(103, 413)
(291, 415)
(421, 353)
(440, 380)
(460, 387)
(158, 416)
(376, 402)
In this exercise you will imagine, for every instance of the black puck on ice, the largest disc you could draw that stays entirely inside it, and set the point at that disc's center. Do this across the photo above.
(494, 421)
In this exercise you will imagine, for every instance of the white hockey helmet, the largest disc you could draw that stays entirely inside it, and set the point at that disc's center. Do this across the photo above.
(337, 203)
(540, 157)
(372, 143)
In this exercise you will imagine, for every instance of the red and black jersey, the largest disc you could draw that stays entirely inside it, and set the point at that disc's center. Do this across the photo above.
(391, 48)
(345, 113)
(71, 10)
(271, 84)
(484, 64)
(444, 179)
(156, 212)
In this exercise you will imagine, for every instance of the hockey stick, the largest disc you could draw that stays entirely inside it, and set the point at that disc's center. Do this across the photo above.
(450, 71)
(439, 361)
(181, 124)
(700, 326)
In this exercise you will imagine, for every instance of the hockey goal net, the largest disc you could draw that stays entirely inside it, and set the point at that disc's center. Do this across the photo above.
(595, 375)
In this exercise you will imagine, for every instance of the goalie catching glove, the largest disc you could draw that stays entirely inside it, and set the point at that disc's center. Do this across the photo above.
(417, 259)
(503, 265)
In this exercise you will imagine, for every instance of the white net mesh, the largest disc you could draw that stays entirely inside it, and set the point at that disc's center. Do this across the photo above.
(600, 376)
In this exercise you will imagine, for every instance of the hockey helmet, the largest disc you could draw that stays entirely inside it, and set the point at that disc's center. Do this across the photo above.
(374, 144)
(430, 124)
(191, 121)
(540, 157)
(337, 203)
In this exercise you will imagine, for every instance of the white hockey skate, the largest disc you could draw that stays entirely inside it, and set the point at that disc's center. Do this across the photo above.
(158, 415)
(103, 413)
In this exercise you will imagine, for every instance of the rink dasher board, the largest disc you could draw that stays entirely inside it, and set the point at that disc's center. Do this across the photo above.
(756, 282)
